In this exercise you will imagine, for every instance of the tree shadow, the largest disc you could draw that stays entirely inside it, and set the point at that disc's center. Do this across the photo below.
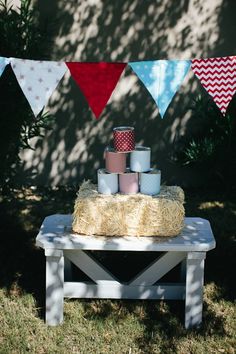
(162, 321)
(123, 31)
(22, 264)
(73, 150)
(221, 261)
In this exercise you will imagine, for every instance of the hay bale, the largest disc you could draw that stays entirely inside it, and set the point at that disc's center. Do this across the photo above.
(128, 215)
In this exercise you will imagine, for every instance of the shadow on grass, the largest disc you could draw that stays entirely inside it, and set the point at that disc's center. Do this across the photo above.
(221, 212)
(22, 265)
(162, 321)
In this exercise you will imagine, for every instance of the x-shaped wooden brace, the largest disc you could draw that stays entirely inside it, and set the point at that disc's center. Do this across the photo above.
(106, 285)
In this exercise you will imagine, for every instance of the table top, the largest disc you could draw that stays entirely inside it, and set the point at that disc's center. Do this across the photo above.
(55, 233)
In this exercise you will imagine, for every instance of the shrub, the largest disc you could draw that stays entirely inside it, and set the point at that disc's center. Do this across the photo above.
(21, 36)
(213, 145)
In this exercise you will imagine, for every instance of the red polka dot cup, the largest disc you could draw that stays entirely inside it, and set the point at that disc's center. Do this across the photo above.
(123, 138)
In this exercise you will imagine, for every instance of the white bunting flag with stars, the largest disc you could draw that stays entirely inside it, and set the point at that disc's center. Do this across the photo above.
(38, 79)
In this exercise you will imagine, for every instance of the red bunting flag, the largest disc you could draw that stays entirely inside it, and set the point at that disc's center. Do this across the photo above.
(218, 77)
(97, 81)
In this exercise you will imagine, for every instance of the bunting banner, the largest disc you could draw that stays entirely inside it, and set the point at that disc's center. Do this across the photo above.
(3, 62)
(97, 81)
(162, 78)
(38, 80)
(218, 77)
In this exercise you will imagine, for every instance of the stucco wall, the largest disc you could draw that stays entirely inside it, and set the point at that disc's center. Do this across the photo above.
(96, 30)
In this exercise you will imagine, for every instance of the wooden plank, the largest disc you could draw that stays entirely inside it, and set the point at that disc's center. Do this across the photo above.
(158, 268)
(55, 233)
(107, 291)
(90, 266)
(194, 289)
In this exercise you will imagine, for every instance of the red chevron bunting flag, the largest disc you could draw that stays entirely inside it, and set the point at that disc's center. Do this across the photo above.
(218, 77)
(97, 81)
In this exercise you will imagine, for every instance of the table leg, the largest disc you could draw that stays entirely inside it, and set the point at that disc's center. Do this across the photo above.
(194, 288)
(54, 286)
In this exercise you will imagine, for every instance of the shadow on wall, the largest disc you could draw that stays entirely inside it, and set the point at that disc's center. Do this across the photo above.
(97, 30)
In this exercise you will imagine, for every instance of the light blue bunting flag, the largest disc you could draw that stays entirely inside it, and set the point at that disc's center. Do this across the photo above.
(3, 63)
(162, 78)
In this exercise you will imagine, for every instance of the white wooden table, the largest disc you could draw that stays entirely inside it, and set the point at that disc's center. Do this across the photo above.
(62, 247)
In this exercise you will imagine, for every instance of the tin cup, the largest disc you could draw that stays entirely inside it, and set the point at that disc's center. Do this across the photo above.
(114, 161)
(123, 138)
(140, 159)
(150, 182)
(107, 182)
(129, 182)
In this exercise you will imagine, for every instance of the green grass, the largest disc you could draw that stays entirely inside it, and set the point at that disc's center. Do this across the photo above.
(105, 326)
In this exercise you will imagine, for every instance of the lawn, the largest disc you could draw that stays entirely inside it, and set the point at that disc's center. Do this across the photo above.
(104, 326)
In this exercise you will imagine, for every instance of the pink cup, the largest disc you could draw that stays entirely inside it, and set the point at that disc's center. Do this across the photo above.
(128, 182)
(115, 162)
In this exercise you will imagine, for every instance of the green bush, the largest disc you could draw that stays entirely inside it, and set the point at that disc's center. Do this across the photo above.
(21, 36)
(213, 145)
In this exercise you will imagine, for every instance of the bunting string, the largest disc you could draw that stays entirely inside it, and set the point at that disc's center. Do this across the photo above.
(162, 78)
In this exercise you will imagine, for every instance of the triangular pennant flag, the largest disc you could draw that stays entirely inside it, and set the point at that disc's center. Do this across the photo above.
(218, 77)
(38, 79)
(3, 63)
(97, 81)
(162, 79)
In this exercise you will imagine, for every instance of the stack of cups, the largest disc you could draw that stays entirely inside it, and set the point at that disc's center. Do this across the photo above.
(117, 177)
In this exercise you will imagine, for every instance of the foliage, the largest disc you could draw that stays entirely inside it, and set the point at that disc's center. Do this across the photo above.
(213, 145)
(21, 36)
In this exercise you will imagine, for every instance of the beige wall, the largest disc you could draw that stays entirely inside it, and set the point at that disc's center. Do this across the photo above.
(14, 3)
(95, 30)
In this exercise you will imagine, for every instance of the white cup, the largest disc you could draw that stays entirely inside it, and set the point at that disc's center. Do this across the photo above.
(140, 159)
(150, 182)
(107, 182)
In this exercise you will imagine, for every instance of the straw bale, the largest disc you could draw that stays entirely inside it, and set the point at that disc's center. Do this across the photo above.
(128, 215)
